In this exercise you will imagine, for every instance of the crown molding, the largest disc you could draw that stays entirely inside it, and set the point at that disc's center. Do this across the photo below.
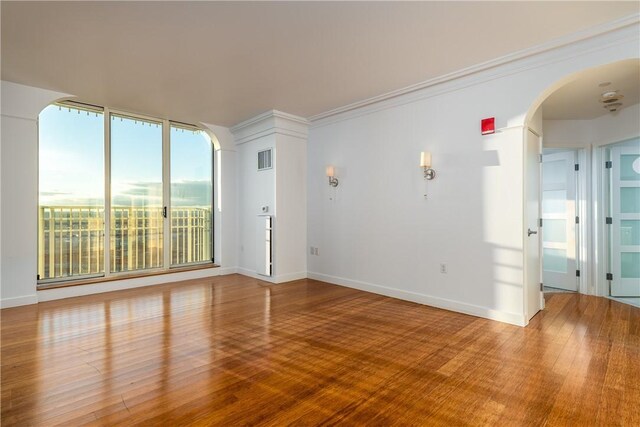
(555, 44)
(268, 123)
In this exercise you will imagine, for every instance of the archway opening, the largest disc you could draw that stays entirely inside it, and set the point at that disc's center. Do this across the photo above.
(590, 191)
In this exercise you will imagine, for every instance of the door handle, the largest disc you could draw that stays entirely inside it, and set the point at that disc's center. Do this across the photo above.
(529, 232)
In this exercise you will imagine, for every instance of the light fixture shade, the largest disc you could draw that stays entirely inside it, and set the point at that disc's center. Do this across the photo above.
(425, 159)
(330, 171)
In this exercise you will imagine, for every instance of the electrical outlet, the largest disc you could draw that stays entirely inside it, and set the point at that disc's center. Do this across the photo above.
(443, 268)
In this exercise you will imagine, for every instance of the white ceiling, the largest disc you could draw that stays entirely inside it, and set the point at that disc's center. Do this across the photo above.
(579, 99)
(225, 62)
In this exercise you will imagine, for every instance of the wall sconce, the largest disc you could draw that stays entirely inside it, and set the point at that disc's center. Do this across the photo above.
(333, 181)
(425, 164)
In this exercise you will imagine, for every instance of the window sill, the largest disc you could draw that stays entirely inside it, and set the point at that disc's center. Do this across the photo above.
(78, 282)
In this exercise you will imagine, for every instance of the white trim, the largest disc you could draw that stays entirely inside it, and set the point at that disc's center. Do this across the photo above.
(625, 300)
(460, 307)
(269, 123)
(283, 278)
(585, 227)
(557, 43)
(267, 115)
(247, 138)
(18, 301)
(225, 271)
(289, 277)
(138, 282)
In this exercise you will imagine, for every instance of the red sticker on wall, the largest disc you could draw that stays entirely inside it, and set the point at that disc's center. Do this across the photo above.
(488, 126)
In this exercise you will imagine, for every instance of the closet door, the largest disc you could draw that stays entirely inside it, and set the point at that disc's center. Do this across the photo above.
(558, 221)
(625, 221)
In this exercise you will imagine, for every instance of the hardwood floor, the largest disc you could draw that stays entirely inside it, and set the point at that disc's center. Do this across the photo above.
(236, 351)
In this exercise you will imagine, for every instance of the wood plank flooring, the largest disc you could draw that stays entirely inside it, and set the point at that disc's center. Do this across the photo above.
(237, 351)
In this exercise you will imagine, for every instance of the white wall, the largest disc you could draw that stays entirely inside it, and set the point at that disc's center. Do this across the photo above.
(19, 136)
(381, 235)
(255, 189)
(225, 197)
(606, 129)
(21, 106)
(291, 207)
(282, 189)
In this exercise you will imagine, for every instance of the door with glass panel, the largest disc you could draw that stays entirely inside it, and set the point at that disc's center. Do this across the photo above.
(120, 193)
(625, 221)
(137, 205)
(558, 221)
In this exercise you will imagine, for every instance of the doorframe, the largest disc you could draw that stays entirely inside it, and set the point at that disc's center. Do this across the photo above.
(527, 285)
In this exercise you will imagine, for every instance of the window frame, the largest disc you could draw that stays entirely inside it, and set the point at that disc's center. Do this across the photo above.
(166, 267)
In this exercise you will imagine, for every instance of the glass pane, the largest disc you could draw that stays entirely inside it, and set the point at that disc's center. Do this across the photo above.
(630, 265)
(71, 192)
(554, 172)
(554, 230)
(630, 167)
(554, 201)
(191, 196)
(554, 260)
(630, 232)
(136, 194)
(630, 199)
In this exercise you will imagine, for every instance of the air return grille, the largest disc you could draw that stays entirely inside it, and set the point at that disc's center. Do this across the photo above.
(264, 159)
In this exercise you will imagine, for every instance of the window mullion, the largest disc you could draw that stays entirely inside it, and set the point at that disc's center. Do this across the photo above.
(107, 192)
(166, 191)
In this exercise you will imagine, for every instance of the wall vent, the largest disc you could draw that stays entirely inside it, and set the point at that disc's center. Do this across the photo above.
(264, 159)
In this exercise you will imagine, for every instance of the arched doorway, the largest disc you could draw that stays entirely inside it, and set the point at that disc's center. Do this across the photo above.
(589, 192)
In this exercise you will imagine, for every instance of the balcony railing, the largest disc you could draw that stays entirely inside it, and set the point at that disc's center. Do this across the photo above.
(71, 239)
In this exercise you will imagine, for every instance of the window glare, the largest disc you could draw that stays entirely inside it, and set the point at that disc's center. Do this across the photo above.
(72, 217)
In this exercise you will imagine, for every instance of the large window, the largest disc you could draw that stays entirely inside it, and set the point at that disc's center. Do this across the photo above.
(148, 182)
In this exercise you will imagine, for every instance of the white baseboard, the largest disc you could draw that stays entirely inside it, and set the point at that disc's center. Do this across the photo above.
(224, 271)
(254, 275)
(460, 307)
(18, 301)
(282, 278)
(138, 282)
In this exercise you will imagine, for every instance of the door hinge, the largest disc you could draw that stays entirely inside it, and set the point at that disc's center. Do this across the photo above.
(213, 260)
(541, 287)
(164, 211)
(540, 222)
(577, 220)
(608, 164)
(38, 277)
(609, 220)
(540, 158)
(576, 167)
(609, 276)
(577, 273)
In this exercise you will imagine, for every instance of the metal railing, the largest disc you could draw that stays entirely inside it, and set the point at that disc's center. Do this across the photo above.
(71, 239)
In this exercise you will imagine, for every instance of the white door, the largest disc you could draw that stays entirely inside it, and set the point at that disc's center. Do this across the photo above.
(625, 223)
(533, 295)
(559, 221)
